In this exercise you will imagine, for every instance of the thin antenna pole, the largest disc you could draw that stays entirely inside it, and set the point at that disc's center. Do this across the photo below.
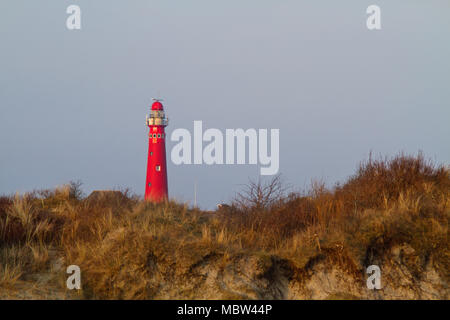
(195, 193)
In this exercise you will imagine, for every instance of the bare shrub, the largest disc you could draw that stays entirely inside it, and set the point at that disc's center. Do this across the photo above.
(260, 196)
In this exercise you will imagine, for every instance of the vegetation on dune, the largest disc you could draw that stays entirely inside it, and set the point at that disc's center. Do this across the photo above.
(126, 247)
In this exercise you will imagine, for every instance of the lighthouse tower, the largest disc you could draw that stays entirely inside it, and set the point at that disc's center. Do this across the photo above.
(156, 183)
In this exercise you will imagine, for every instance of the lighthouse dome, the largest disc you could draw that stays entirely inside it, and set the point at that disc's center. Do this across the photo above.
(157, 105)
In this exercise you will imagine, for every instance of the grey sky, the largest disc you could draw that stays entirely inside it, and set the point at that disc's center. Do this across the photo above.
(73, 103)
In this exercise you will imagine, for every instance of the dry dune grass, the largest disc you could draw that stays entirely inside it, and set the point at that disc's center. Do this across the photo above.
(126, 247)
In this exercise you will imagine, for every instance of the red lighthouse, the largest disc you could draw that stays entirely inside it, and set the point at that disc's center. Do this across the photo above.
(156, 183)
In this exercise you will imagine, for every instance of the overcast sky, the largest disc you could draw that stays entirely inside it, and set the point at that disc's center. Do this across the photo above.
(73, 103)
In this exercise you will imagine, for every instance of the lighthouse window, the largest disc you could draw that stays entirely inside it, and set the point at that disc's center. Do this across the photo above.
(149, 184)
(159, 135)
(151, 153)
(158, 168)
(154, 135)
